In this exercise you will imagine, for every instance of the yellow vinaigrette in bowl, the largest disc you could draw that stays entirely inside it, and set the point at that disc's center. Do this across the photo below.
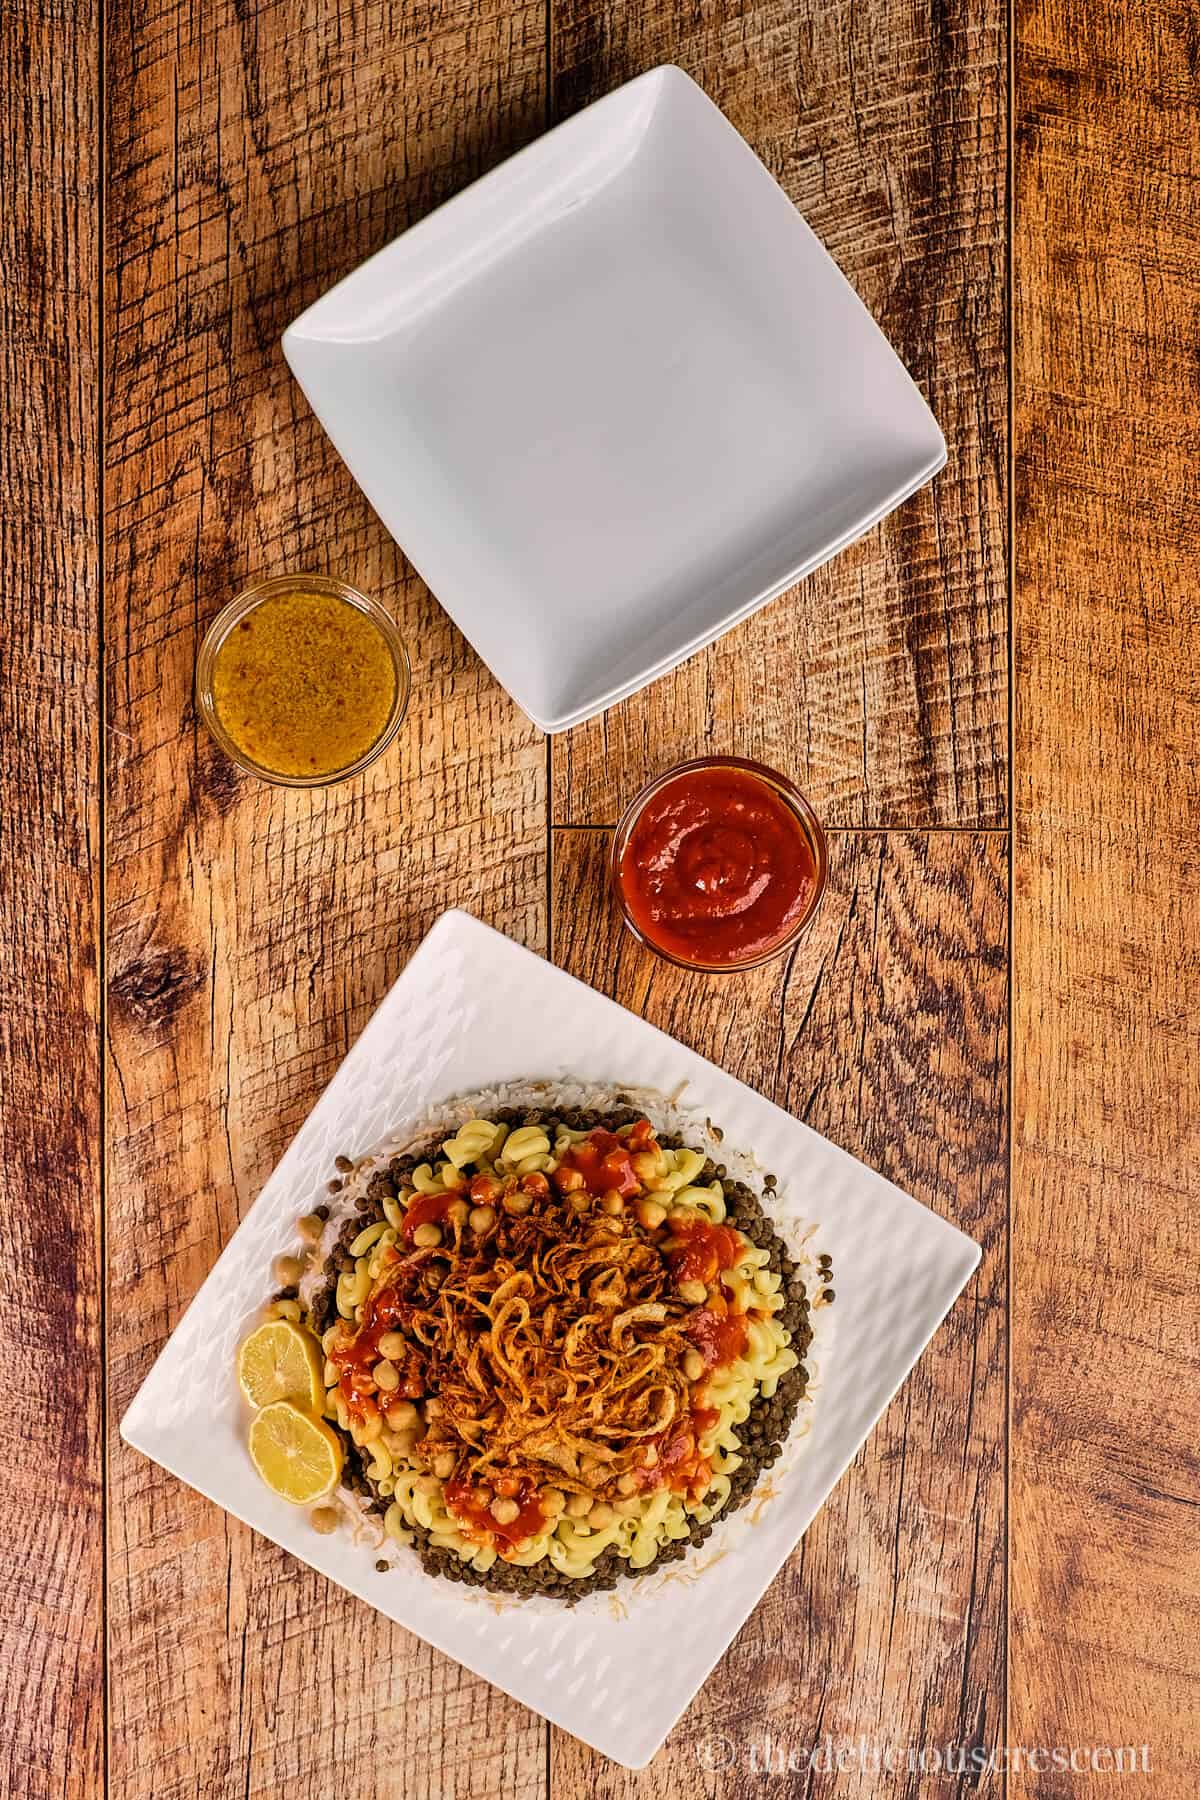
(303, 680)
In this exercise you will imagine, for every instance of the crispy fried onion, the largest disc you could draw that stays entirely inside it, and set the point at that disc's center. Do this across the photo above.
(553, 1347)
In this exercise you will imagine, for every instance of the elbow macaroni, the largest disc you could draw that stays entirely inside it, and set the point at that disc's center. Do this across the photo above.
(639, 1530)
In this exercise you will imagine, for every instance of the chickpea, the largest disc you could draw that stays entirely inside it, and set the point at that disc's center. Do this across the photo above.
(536, 1185)
(504, 1511)
(612, 1204)
(693, 1292)
(553, 1500)
(323, 1519)
(578, 1506)
(694, 1366)
(602, 1514)
(484, 1188)
(458, 1212)
(311, 1227)
(482, 1218)
(579, 1201)
(387, 1376)
(651, 1214)
(289, 1270)
(568, 1181)
(393, 1345)
(443, 1464)
(627, 1483)
(517, 1204)
(628, 1509)
(427, 1237)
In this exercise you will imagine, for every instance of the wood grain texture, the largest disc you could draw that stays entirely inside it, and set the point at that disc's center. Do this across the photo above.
(887, 1032)
(880, 682)
(257, 153)
(1106, 1372)
(51, 1432)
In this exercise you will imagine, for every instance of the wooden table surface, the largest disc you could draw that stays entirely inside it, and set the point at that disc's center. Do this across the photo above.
(993, 700)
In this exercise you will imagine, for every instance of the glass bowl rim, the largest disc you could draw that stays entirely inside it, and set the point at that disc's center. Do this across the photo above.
(266, 588)
(810, 824)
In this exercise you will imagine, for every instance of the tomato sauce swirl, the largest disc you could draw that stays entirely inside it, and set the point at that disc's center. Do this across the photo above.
(718, 868)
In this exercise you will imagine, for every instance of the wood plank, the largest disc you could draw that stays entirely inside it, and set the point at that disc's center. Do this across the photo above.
(887, 1032)
(257, 154)
(51, 1291)
(879, 683)
(1105, 1477)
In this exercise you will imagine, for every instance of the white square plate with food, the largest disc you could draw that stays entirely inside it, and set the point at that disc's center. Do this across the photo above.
(474, 1012)
(613, 398)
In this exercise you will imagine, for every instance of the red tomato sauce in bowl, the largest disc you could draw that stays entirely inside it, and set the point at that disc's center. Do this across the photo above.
(720, 864)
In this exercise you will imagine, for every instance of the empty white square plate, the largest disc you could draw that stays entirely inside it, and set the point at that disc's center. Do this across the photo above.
(471, 1010)
(613, 398)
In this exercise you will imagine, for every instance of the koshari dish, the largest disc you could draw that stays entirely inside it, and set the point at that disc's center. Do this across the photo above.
(717, 869)
(556, 1350)
(304, 683)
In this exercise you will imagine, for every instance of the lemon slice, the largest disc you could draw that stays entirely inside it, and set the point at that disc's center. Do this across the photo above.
(299, 1457)
(281, 1361)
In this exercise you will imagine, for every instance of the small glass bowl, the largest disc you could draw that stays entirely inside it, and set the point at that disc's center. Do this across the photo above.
(236, 611)
(809, 824)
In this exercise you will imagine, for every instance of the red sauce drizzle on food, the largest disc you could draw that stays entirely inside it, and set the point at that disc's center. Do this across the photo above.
(720, 1340)
(705, 1417)
(718, 868)
(426, 1209)
(384, 1311)
(476, 1515)
(606, 1161)
(680, 1464)
(707, 1250)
